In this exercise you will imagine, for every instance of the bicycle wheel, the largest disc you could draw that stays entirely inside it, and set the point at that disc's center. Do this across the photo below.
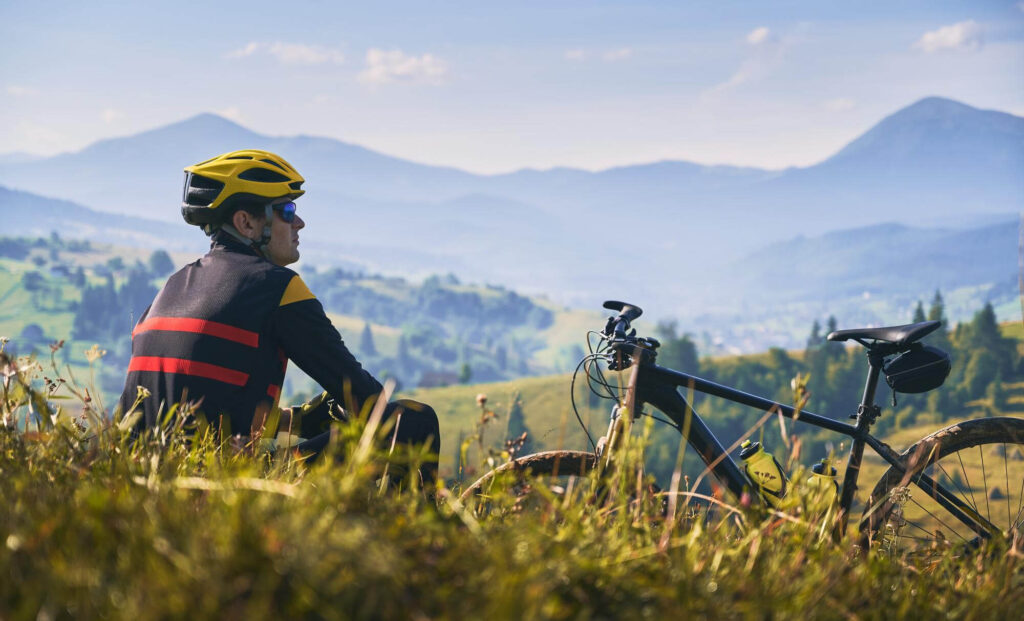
(563, 463)
(979, 463)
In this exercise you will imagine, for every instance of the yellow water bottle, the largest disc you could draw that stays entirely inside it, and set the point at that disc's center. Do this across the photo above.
(765, 471)
(824, 489)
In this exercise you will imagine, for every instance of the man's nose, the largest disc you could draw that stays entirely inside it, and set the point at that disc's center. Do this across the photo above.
(299, 222)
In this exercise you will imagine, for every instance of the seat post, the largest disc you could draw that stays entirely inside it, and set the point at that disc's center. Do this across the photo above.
(866, 414)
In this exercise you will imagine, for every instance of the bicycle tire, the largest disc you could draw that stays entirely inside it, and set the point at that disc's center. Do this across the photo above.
(562, 462)
(955, 458)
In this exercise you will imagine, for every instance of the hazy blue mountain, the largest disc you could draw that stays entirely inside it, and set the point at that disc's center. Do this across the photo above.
(934, 160)
(142, 174)
(18, 157)
(661, 231)
(882, 259)
(31, 215)
(867, 275)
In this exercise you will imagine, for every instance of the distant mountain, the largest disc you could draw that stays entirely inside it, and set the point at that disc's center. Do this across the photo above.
(18, 157)
(30, 215)
(661, 231)
(936, 159)
(141, 174)
(867, 275)
(883, 260)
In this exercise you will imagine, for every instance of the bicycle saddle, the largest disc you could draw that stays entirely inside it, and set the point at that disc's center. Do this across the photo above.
(898, 335)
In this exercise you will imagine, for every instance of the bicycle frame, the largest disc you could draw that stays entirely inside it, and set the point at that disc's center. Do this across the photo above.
(658, 386)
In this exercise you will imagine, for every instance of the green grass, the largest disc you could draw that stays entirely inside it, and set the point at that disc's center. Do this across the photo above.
(95, 526)
(545, 402)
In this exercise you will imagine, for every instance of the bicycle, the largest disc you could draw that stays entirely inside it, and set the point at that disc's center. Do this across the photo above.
(925, 500)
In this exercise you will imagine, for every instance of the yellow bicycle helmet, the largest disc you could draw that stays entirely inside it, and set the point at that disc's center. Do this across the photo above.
(214, 188)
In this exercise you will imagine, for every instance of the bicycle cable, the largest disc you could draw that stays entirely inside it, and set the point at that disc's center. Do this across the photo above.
(596, 377)
(572, 398)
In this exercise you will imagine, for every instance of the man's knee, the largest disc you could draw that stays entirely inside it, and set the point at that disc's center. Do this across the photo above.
(419, 421)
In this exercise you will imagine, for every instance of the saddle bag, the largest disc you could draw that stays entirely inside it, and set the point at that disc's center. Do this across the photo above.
(921, 369)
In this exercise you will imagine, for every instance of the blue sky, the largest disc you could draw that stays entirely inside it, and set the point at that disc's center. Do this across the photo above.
(492, 88)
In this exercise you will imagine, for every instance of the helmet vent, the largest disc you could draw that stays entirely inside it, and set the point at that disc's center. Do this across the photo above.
(262, 175)
(273, 163)
(295, 185)
(202, 190)
(239, 157)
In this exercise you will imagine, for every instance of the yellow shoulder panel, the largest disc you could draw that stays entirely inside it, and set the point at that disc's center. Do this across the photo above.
(296, 291)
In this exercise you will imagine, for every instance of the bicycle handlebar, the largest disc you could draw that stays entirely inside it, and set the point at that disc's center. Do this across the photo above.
(618, 325)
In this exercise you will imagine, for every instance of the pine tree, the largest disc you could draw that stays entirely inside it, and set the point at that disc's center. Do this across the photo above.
(404, 359)
(465, 373)
(517, 424)
(937, 312)
(919, 315)
(996, 392)
(366, 344)
(836, 351)
(814, 340)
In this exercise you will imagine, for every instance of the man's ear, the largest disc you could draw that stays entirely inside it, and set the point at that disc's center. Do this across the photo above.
(246, 224)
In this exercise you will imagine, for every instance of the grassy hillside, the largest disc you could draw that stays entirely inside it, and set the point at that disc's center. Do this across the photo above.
(445, 324)
(95, 526)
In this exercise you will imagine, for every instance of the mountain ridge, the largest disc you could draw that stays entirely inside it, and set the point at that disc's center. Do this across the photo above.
(936, 160)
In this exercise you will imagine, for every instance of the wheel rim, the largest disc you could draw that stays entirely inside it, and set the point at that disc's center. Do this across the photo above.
(980, 463)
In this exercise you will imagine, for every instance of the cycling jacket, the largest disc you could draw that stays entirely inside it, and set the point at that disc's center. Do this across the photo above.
(221, 332)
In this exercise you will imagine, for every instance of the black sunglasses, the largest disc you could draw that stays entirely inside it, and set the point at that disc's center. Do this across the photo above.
(286, 211)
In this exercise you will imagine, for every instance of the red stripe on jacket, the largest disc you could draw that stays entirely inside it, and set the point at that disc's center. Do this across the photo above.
(200, 326)
(188, 367)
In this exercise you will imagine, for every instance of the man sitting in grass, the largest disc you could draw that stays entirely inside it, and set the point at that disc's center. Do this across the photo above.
(220, 333)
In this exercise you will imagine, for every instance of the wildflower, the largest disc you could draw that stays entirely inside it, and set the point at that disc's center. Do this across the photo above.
(94, 353)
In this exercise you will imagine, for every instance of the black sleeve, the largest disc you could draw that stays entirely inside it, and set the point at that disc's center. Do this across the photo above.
(310, 341)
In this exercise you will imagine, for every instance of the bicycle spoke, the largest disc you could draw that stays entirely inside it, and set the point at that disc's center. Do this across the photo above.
(953, 506)
(936, 518)
(1020, 505)
(930, 537)
(984, 479)
(967, 480)
(959, 489)
(1006, 472)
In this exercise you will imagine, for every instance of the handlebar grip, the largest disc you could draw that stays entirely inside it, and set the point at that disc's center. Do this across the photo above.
(627, 311)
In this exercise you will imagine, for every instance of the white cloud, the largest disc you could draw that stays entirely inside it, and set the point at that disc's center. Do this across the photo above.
(251, 48)
(21, 91)
(620, 54)
(385, 66)
(758, 36)
(966, 35)
(840, 104)
(290, 53)
(110, 115)
(576, 54)
(765, 55)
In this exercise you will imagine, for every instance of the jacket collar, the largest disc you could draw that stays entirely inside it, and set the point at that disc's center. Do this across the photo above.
(223, 242)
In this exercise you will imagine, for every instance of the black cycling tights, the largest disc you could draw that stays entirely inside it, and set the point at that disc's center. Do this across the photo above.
(417, 426)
